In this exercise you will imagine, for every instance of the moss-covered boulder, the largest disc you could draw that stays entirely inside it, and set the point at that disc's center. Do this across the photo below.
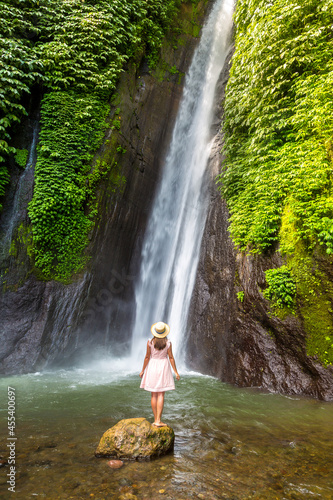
(135, 439)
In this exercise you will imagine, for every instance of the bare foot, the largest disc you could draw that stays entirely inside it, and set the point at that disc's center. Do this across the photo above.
(159, 424)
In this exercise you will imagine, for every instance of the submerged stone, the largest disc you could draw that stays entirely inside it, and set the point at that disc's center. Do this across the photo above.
(115, 464)
(135, 439)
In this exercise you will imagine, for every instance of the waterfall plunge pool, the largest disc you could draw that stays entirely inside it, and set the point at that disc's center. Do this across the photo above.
(230, 443)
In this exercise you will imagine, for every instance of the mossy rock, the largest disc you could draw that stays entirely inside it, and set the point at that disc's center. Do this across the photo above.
(135, 439)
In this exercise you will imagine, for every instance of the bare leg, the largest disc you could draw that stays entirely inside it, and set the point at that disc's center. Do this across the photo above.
(154, 404)
(159, 409)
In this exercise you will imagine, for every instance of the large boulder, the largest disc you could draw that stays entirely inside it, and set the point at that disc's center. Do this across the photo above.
(135, 439)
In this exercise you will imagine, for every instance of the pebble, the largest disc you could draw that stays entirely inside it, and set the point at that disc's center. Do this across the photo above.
(115, 464)
(128, 496)
(126, 490)
(236, 450)
(125, 482)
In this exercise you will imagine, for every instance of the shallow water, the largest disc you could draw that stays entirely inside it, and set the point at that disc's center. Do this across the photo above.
(230, 443)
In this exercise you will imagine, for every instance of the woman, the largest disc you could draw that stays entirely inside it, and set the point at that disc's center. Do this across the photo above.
(158, 377)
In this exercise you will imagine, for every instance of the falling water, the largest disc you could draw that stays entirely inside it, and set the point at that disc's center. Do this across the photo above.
(172, 242)
(22, 193)
(32, 152)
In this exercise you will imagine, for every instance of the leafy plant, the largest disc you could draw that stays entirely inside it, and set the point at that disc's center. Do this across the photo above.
(116, 124)
(72, 128)
(19, 69)
(121, 150)
(21, 157)
(240, 296)
(279, 123)
(281, 288)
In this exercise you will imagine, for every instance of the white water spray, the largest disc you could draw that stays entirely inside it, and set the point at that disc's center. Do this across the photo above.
(172, 241)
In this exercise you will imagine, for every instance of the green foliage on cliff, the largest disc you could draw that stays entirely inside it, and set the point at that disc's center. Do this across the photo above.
(19, 69)
(21, 157)
(72, 128)
(77, 50)
(314, 298)
(277, 176)
(279, 123)
(85, 44)
(281, 288)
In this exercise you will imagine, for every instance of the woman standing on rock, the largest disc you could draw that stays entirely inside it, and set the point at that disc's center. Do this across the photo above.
(157, 378)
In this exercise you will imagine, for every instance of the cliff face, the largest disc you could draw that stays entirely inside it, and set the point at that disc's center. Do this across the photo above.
(49, 323)
(243, 342)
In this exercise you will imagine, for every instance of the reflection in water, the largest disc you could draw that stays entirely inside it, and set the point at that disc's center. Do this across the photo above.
(230, 443)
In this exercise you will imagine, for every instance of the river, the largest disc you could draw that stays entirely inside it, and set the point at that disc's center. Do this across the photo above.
(230, 443)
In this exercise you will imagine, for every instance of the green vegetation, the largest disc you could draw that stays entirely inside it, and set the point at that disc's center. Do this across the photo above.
(281, 288)
(19, 69)
(21, 157)
(23, 239)
(240, 296)
(72, 128)
(76, 49)
(279, 123)
(277, 176)
(315, 292)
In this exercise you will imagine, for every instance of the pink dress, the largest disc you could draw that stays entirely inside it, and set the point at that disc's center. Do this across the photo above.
(158, 376)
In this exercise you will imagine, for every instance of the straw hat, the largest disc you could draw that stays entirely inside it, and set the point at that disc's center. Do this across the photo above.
(160, 330)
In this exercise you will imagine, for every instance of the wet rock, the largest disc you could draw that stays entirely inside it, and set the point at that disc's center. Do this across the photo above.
(115, 464)
(135, 439)
(41, 463)
(46, 445)
(124, 481)
(236, 450)
(128, 496)
(126, 490)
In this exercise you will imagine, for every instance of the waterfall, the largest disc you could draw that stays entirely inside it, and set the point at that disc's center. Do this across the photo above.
(171, 246)
(22, 194)
(33, 147)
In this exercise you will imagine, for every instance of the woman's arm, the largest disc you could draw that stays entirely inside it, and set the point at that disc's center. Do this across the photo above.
(172, 361)
(146, 360)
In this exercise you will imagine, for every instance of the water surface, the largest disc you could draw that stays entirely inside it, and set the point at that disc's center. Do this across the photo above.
(230, 443)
